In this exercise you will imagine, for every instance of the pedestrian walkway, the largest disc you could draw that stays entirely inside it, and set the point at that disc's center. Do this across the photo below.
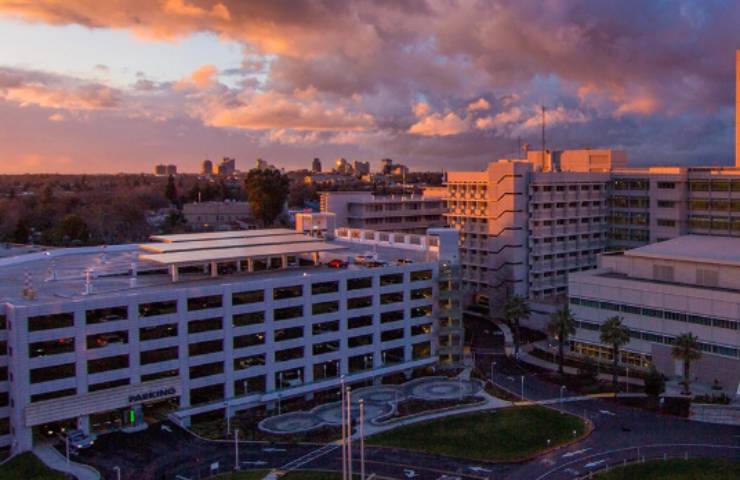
(52, 458)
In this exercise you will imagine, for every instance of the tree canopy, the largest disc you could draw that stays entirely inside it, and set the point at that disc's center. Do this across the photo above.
(267, 191)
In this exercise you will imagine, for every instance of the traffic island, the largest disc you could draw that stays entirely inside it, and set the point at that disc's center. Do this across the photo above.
(504, 435)
(693, 469)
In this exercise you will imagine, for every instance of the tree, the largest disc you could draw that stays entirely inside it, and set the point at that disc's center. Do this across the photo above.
(170, 191)
(561, 326)
(73, 228)
(516, 308)
(267, 191)
(686, 349)
(613, 333)
(654, 382)
(22, 232)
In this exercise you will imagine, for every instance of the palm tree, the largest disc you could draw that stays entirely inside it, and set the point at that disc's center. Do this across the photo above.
(516, 308)
(615, 334)
(561, 326)
(686, 348)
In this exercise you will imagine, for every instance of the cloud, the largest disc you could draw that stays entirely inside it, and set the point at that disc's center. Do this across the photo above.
(56, 117)
(202, 78)
(55, 91)
(480, 104)
(436, 124)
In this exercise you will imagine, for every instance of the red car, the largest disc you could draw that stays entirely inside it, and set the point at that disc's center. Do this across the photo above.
(336, 263)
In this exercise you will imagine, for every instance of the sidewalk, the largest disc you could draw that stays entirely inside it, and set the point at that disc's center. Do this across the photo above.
(53, 459)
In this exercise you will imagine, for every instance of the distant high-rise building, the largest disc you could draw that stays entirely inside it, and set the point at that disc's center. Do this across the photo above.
(386, 166)
(360, 168)
(162, 170)
(262, 164)
(316, 165)
(206, 167)
(227, 166)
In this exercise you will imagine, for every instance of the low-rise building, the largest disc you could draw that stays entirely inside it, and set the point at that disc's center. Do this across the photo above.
(216, 215)
(687, 284)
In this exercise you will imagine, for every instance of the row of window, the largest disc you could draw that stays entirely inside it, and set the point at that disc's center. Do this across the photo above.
(66, 319)
(570, 188)
(658, 313)
(254, 384)
(664, 339)
(714, 223)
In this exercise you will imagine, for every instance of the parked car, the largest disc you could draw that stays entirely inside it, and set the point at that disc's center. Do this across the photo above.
(79, 440)
(336, 263)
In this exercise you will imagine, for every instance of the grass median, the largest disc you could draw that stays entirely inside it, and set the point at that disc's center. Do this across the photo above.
(695, 469)
(504, 435)
(28, 467)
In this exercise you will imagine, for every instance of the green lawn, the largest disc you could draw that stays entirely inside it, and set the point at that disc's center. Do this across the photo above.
(28, 467)
(698, 469)
(501, 435)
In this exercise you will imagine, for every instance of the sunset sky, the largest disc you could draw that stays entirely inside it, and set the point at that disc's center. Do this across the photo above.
(119, 85)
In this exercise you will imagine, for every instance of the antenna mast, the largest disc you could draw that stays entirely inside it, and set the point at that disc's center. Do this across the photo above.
(543, 136)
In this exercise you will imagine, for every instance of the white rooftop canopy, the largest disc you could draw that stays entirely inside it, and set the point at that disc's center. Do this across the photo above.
(191, 237)
(169, 247)
(233, 254)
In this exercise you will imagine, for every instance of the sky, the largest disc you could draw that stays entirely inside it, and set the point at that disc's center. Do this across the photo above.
(89, 86)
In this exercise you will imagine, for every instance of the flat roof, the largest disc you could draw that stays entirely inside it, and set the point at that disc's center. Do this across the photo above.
(694, 248)
(226, 254)
(169, 247)
(191, 237)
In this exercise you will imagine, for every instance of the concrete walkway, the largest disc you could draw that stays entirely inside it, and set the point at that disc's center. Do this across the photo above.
(53, 459)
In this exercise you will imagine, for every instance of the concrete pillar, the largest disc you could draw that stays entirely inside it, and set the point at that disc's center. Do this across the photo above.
(284, 261)
(238, 265)
(250, 265)
(214, 269)
(175, 272)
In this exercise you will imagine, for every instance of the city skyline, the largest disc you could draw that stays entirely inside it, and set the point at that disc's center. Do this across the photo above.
(118, 88)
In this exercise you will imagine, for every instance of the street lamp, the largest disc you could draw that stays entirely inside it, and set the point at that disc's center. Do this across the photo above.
(522, 387)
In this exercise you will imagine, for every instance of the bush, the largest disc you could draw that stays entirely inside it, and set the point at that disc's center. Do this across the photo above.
(654, 382)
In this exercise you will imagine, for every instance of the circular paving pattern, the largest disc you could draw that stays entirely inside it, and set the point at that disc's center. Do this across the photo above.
(379, 402)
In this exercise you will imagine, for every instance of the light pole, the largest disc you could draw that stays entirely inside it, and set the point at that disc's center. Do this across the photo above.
(344, 434)
(236, 449)
(362, 439)
(117, 469)
(562, 390)
(228, 420)
(522, 387)
(349, 433)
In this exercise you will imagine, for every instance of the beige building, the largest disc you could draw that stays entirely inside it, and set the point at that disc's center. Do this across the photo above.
(688, 284)
(387, 213)
(214, 215)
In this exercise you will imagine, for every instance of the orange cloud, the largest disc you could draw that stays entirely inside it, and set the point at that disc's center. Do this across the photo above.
(480, 104)
(89, 97)
(437, 124)
(202, 78)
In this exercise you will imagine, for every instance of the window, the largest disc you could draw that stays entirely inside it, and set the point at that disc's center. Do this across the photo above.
(423, 329)
(359, 322)
(249, 361)
(288, 333)
(421, 275)
(391, 279)
(249, 340)
(359, 283)
(106, 364)
(325, 347)
(160, 331)
(288, 312)
(109, 314)
(392, 316)
(651, 312)
(51, 347)
(157, 308)
(393, 297)
(421, 350)
(252, 296)
(245, 319)
(288, 354)
(287, 292)
(204, 348)
(359, 302)
(158, 355)
(205, 325)
(206, 370)
(390, 335)
(666, 185)
(324, 287)
(109, 338)
(325, 307)
(325, 327)
(707, 278)
(48, 322)
(203, 303)
(360, 341)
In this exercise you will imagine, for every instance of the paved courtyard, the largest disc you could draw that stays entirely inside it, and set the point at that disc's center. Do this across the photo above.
(380, 403)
